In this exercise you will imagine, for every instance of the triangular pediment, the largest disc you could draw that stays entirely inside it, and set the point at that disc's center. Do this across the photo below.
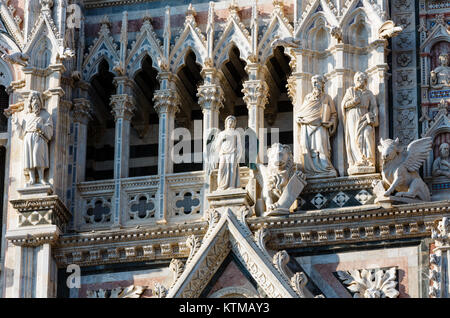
(191, 38)
(104, 47)
(235, 34)
(147, 43)
(229, 234)
(437, 34)
(44, 28)
(279, 27)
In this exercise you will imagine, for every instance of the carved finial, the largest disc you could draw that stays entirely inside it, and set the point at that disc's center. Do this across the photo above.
(440, 19)
(46, 5)
(336, 32)
(191, 11)
(147, 16)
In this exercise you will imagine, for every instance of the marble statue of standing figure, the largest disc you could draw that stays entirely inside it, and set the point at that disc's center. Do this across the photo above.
(441, 166)
(360, 111)
(226, 152)
(317, 120)
(36, 130)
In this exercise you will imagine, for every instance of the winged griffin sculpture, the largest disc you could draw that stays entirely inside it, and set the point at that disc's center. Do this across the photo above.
(400, 169)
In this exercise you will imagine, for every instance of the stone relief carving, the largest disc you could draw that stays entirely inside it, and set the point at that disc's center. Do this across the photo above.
(118, 292)
(225, 152)
(441, 165)
(370, 283)
(317, 120)
(360, 119)
(281, 182)
(389, 30)
(36, 130)
(439, 259)
(400, 169)
(440, 76)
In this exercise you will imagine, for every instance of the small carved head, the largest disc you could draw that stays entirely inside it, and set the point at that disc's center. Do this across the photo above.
(35, 102)
(444, 150)
(443, 59)
(360, 79)
(230, 122)
(389, 148)
(318, 82)
(280, 156)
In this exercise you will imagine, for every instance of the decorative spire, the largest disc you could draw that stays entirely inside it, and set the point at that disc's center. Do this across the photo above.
(210, 29)
(167, 33)
(190, 15)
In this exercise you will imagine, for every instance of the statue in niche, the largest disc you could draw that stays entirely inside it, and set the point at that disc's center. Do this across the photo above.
(281, 182)
(36, 130)
(400, 171)
(360, 111)
(441, 165)
(317, 119)
(225, 152)
(440, 76)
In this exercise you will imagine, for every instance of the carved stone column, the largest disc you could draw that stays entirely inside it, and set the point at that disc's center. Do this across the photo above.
(439, 261)
(338, 86)
(210, 98)
(166, 103)
(81, 113)
(298, 86)
(122, 109)
(256, 93)
(41, 221)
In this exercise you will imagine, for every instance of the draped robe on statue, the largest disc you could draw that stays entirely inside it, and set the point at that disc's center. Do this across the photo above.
(229, 148)
(36, 131)
(359, 129)
(314, 138)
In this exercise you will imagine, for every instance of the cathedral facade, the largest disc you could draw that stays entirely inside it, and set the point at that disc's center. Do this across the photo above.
(295, 149)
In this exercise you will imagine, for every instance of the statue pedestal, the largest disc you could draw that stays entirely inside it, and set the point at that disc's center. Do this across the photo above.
(229, 198)
(37, 190)
(360, 170)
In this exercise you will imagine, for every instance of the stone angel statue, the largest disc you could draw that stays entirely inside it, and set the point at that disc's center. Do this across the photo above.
(224, 150)
(400, 170)
(36, 130)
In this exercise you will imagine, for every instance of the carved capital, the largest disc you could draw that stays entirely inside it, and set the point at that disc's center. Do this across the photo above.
(82, 111)
(166, 101)
(255, 93)
(210, 97)
(122, 106)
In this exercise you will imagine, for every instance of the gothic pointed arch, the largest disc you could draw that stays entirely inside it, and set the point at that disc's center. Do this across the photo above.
(190, 38)
(147, 43)
(234, 34)
(313, 10)
(278, 28)
(358, 29)
(44, 38)
(104, 47)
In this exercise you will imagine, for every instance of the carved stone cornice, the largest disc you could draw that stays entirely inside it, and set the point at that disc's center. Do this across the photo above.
(123, 106)
(41, 211)
(39, 235)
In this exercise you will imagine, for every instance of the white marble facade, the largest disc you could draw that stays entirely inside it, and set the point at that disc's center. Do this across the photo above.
(269, 121)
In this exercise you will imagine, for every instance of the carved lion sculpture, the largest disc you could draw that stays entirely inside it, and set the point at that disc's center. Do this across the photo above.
(281, 183)
(400, 168)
